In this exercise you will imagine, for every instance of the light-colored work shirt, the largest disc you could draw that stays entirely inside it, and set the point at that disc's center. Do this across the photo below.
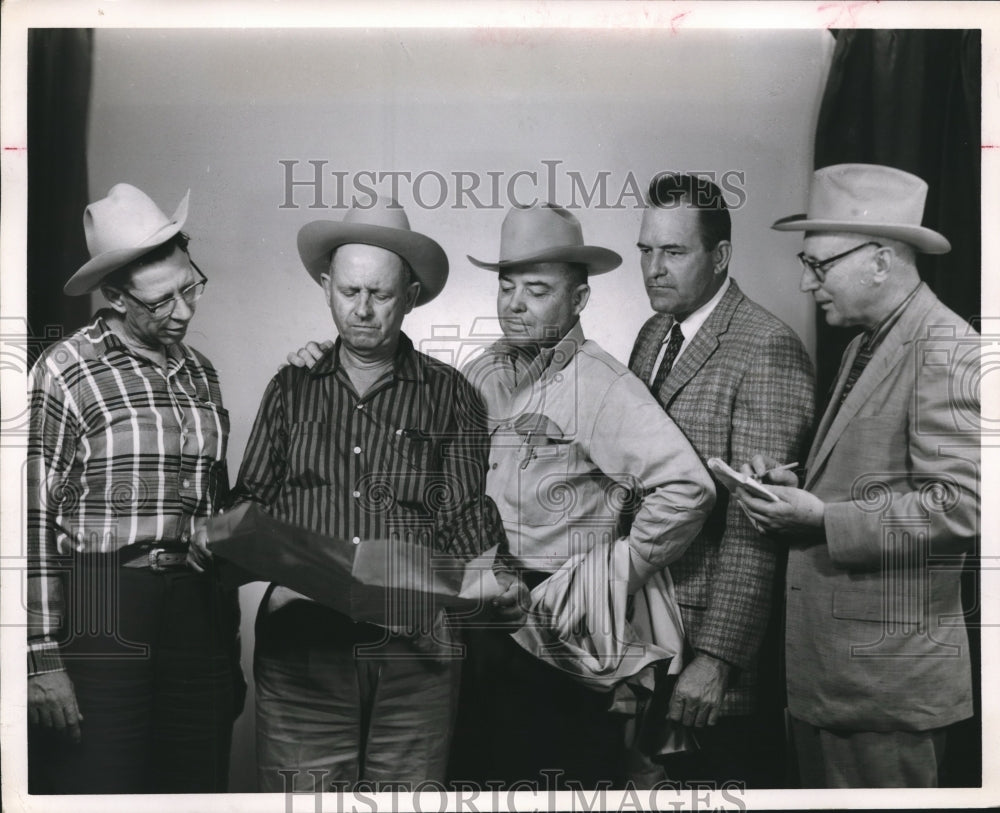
(578, 448)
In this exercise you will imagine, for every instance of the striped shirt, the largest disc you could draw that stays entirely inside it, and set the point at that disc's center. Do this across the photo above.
(405, 460)
(119, 452)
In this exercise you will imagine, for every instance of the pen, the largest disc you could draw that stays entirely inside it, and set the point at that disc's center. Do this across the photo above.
(785, 467)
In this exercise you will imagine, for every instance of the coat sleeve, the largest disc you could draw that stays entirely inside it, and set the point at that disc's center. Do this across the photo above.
(772, 415)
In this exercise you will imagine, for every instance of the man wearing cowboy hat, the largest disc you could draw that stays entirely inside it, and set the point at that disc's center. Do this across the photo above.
(573, 431)
(133, 658)
(877, 652)
(377, 439)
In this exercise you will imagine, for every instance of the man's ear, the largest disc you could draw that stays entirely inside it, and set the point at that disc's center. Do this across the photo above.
(581, 295)
(721, 255)
(115, 298)
(325, 281)
(885, 258)
(412, 292)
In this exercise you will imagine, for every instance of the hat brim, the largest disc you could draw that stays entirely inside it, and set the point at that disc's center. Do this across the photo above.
(597, 259)
(923, 239)
(90, 275)
(317, 241)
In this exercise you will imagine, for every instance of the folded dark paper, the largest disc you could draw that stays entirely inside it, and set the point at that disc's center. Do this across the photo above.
(392, 582)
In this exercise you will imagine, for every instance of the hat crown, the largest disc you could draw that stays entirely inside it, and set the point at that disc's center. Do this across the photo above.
(531, 230)
(127, 218)
(383, 212)
(867, 193)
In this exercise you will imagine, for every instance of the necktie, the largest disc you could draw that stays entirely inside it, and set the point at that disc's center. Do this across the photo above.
(669, 355)
(865, 353)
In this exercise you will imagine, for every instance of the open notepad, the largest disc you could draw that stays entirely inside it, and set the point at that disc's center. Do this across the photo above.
(732, 479)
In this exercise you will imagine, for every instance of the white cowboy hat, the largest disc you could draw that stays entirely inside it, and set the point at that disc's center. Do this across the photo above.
(547, 233)
(868, 199)
(383, 224)
(121, 228)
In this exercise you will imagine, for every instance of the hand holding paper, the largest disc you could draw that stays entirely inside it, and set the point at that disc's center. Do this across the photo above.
(733, 479)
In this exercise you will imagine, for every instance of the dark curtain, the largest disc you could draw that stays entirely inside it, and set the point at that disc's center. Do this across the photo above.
(911, 99)
(59, 66)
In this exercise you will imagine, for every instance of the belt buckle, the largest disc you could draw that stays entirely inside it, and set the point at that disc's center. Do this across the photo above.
(172, 559)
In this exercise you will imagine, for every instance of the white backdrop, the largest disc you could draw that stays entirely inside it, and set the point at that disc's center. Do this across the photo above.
(217, 110)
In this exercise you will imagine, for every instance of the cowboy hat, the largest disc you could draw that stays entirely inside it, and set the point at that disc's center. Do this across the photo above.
(547, 233)
(868, 199)
(121, 228)
(383, 224)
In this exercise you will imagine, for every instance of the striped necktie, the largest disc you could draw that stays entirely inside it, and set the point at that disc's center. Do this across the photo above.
(865, 353)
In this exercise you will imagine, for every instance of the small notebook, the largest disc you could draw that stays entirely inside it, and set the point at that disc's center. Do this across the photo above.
(732, 479)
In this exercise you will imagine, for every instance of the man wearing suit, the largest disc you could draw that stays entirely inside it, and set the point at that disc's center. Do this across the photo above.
(877, 652)
(735, 379)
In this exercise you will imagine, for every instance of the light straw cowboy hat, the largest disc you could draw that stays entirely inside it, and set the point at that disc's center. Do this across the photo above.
(868, 199)
(121, 228)
(547, 233)
(384, 224)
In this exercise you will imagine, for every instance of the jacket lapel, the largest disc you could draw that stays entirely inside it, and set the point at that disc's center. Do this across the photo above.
(891, 353)
(648, 347)
(703, 345)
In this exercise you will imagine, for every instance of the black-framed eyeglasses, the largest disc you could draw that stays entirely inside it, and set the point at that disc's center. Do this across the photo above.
(191, 294)
(820, 268)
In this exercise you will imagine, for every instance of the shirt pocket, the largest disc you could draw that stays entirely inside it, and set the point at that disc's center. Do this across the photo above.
(545, 492)
(310, 446)
(410, 474)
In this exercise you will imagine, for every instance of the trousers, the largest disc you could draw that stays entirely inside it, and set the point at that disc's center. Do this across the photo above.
(340, 703)
(522, 720)
(154, 661)
(867, 759)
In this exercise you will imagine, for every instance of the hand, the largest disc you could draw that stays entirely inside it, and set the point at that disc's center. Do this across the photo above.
(698, 694)
(510, 607)
(308, 356)
(768, 471)
(52, 704)
(798, 512)
(199, 556)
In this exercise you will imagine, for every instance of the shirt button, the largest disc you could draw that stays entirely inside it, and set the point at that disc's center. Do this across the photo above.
(357, 450)
(494, 465)
(360, 406)
(186, 483)
(356, 540)
(356, 494)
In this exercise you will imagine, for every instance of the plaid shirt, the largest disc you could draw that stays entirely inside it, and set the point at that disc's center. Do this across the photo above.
(407, 458)
(119, 452)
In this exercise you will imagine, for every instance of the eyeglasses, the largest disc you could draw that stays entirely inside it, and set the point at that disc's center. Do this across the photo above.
(166, 306)
(820, 268)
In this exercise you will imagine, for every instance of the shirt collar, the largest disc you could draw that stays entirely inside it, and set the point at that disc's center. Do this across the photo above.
(405, 364)
(106, 342)
(692, 324)
(548, 361)
(873, 338)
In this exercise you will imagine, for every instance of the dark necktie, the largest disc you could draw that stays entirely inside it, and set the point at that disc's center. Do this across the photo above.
(865, 353)
(669, 355)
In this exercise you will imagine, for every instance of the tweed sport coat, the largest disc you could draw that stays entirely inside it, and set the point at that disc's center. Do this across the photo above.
(744, 385)
(875, 635)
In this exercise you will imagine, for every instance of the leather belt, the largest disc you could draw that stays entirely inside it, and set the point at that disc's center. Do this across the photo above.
(158, 556)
